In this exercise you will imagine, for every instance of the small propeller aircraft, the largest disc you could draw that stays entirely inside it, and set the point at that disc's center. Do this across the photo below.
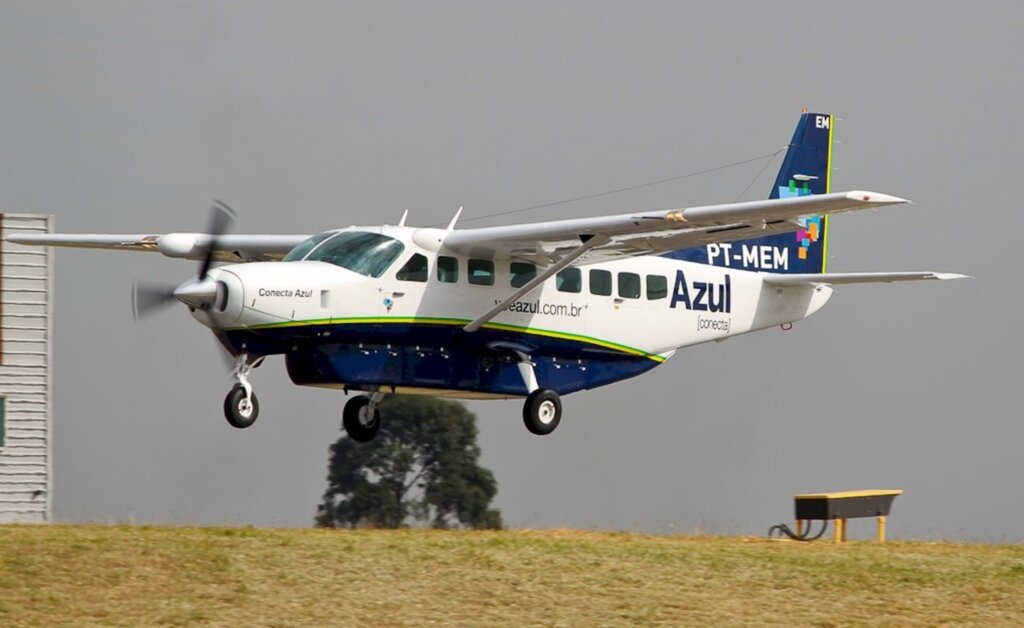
(530, 311)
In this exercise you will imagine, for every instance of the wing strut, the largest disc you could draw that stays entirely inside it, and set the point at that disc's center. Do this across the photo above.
(589, 242)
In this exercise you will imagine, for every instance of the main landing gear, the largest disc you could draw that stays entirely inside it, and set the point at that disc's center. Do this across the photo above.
(542, 410)
(241, 406)
(361, 417)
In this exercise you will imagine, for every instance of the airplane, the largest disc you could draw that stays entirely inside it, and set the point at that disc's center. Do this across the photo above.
(533, 311)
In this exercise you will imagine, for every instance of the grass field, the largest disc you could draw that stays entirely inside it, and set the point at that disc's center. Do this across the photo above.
(51, 575)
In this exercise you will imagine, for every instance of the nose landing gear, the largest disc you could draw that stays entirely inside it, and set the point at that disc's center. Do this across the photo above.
(241, 406)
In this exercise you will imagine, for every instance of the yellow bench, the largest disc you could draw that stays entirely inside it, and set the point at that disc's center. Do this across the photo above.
(844, 505)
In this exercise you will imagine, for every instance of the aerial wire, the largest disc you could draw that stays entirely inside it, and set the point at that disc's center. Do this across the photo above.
(759, 173)
(768, 156)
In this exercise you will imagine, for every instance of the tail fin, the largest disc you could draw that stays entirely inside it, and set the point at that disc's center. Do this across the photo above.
(805, 170)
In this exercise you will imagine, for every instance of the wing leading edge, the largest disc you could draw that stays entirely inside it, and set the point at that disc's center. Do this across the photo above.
(624, 235)
(653, 233)
(230, 247)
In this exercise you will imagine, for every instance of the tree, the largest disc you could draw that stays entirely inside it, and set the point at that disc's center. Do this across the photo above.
(421, 467)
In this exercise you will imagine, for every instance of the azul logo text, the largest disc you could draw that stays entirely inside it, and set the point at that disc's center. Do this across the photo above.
(702, 296)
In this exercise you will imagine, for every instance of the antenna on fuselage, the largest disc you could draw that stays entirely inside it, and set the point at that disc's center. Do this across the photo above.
(455, 219)
(401, 222)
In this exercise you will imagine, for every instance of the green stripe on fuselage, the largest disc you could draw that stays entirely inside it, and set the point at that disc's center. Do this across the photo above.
(416, 320)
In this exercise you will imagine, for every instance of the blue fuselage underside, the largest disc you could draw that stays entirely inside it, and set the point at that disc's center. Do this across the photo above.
(436, 356)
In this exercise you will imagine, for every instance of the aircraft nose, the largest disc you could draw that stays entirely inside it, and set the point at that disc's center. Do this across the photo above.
(201, 294)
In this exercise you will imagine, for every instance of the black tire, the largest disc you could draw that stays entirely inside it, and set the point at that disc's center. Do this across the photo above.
(235, 411)
(354, 419)
(542, 411)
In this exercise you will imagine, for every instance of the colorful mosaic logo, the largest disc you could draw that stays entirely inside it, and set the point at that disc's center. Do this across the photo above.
(810, 228)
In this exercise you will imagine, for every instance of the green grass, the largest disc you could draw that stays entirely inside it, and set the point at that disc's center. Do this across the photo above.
(81, 575)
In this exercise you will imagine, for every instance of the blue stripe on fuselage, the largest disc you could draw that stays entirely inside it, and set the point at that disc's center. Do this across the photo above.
(366, 355)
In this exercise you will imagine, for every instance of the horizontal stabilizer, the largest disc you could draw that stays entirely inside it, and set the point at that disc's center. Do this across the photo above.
(812, 279)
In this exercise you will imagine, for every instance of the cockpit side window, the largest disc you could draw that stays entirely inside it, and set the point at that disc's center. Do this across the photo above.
(413, 270)
(361, 252)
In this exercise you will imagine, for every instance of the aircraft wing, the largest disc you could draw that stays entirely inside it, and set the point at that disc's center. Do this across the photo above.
(230, 247)
(556, 244)
(848, 278)
(653, 233)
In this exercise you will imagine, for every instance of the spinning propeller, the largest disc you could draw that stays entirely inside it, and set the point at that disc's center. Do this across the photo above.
(148, 298)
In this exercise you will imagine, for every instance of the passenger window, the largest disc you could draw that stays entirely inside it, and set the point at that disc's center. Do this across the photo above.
(522, 273)
(481, 272)
(601, 283)
(414, 270)
(629, 285)
(569, 280)
(657, 287)
(447, 269)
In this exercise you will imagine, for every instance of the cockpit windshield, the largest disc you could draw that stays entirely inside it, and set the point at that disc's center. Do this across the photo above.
(303, 248)
(365, 253)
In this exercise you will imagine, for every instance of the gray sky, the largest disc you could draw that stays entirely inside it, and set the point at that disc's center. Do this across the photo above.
(133, 116)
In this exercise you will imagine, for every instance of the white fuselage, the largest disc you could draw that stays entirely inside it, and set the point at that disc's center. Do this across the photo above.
(692, 304)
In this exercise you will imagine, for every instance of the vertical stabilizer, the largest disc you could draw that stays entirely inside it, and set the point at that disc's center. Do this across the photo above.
(805, 170)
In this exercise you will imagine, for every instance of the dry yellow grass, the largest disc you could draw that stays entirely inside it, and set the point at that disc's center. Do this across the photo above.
(52, 575)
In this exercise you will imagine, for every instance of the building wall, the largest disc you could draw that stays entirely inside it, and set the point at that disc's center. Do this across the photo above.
(26, 306)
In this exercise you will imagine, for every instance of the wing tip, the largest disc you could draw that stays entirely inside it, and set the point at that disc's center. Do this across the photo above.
(875, 198)
(20, 238)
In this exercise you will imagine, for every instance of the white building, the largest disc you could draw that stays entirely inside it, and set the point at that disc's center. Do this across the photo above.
(26, 307)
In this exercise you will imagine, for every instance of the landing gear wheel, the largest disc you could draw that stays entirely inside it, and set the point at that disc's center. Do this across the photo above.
(542, 411)
(361, 419)
(241, 412)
